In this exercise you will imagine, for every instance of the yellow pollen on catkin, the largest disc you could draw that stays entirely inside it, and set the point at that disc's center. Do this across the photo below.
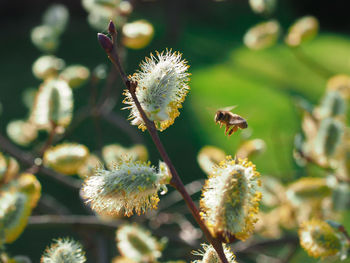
(64, 250)
(162, 88)
(320, 239)
(209, 255)
(138, 244)
(132, 186)
(230, 200)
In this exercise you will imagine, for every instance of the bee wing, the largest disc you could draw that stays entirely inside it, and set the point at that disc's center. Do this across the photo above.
(228, 108)
(239, 121)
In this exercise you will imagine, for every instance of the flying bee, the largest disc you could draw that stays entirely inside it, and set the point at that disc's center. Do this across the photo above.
(230, 120)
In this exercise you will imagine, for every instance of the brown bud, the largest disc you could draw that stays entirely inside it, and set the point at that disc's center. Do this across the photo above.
(105, 42)
(111, 29)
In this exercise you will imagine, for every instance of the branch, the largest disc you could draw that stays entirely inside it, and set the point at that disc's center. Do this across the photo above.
(28, 159)
(257, 245)
(110, 48)
(92, 222)
(50, 205)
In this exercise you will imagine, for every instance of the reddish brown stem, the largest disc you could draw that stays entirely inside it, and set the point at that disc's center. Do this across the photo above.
(176, 181)
(49, 140)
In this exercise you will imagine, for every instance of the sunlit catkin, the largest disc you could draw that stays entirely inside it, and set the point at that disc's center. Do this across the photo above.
(250, 148)
(45, 38)
(308, 189)
(66, 158)
(122, 260)
(64, 250)
(329, 137)
(56, 16)
(47, 66)
(15, 209)
(101, 12)
(53, 103)
(333, 104)
(137, 244)
(209, 255)
(75, 75)
(230, 200)
(304, 29)
(138, 34)
(319, 239)
(28, 97)
(132, 186)
(89, 167)
(114, 153)
(3, 166)
(30, 185)
(210, 156)
(340, 83)
(9, 168)
(5, 258)
(262, 35)
(21, 132)
(263, 6)
(162, 88)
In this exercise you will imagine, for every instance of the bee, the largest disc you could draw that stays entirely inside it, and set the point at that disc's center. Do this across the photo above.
(231, 120)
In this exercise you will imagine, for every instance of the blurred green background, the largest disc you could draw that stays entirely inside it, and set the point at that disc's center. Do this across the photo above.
(264, 84)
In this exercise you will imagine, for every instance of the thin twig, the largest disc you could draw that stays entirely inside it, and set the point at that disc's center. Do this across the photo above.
(92, 222)
(49, 140)
(65, 180)
(51, 206)
(110, 48)
(258, 245)
(101, 247)
(28, 159)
